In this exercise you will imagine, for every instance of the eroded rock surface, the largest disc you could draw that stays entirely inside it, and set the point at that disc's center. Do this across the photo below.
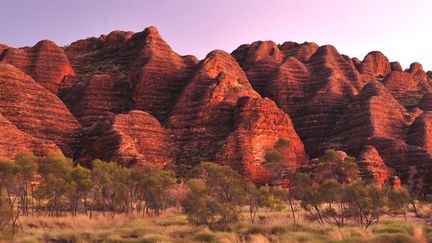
(45, 62)
(36, 111)
(129, 97)
(372, 166)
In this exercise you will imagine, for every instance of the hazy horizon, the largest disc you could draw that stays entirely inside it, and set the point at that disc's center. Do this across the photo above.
(397, 28)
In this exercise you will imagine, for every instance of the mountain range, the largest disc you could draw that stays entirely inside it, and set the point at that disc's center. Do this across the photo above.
(128, 97)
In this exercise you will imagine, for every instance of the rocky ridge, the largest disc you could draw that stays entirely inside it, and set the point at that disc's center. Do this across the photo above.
(129, 97)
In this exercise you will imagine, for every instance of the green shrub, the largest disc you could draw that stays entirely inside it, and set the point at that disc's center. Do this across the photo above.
(273, 156)
(217, 200)
(282, 142)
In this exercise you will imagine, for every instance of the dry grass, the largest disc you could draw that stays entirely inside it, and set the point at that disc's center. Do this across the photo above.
(173, 227)
(78, 222)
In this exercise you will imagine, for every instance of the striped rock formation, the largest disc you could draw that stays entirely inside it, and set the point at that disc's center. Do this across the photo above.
(133, 139)
(129, 97)
(219, 117)
(45, 62)
(36, 111)
(372, 167)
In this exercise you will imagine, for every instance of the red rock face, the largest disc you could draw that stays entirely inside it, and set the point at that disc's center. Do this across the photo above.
(426, 102)
(45, 62)
(2, 48)
(120, 72)
(134, 139)
(156, 74)
(259, 60)
(36, 111)
(219, 117)
(415, 68)
(14, 141)
(259, 126)
(137, 101)
(407, 87)
(202, 117)
(312, 84)
(376, 118)
(372, 113)
(395, 66)
(91, 101)
(325, 95)
(372, 167)
(159, 71)
(398, 83)
(421, 132)
(99, 55)
(374, 65)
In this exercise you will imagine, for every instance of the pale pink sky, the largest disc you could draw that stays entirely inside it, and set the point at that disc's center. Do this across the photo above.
(402, 30)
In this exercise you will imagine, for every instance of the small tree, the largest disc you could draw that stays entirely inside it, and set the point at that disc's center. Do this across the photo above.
(299, 184)
(225, 194)
(79, 187)
(199, 204)
(398, 201)
(275, 160)
(252, 198)
(111, 186)
(332, 167)
(366, 203)
(153, 186)
(333, 195)
(272, 198)
(28, 167)
(178, 194)
(8, 190)
(8, 174)
(414, 187)
(55, 172)
(311, 201)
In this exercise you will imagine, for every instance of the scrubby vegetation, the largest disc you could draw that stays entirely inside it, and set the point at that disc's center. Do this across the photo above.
(51, 199)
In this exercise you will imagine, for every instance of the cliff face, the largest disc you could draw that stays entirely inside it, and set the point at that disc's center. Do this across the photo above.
(36, 111)
(372, 167)
(219, 117)
(344, 103)
(372, 113)
(159, 74)
(261, 129)
(129, 97)
(15, 141)
(133, 139)
(91, 100)
(312, 84)
(143, 61)
(45, 62)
